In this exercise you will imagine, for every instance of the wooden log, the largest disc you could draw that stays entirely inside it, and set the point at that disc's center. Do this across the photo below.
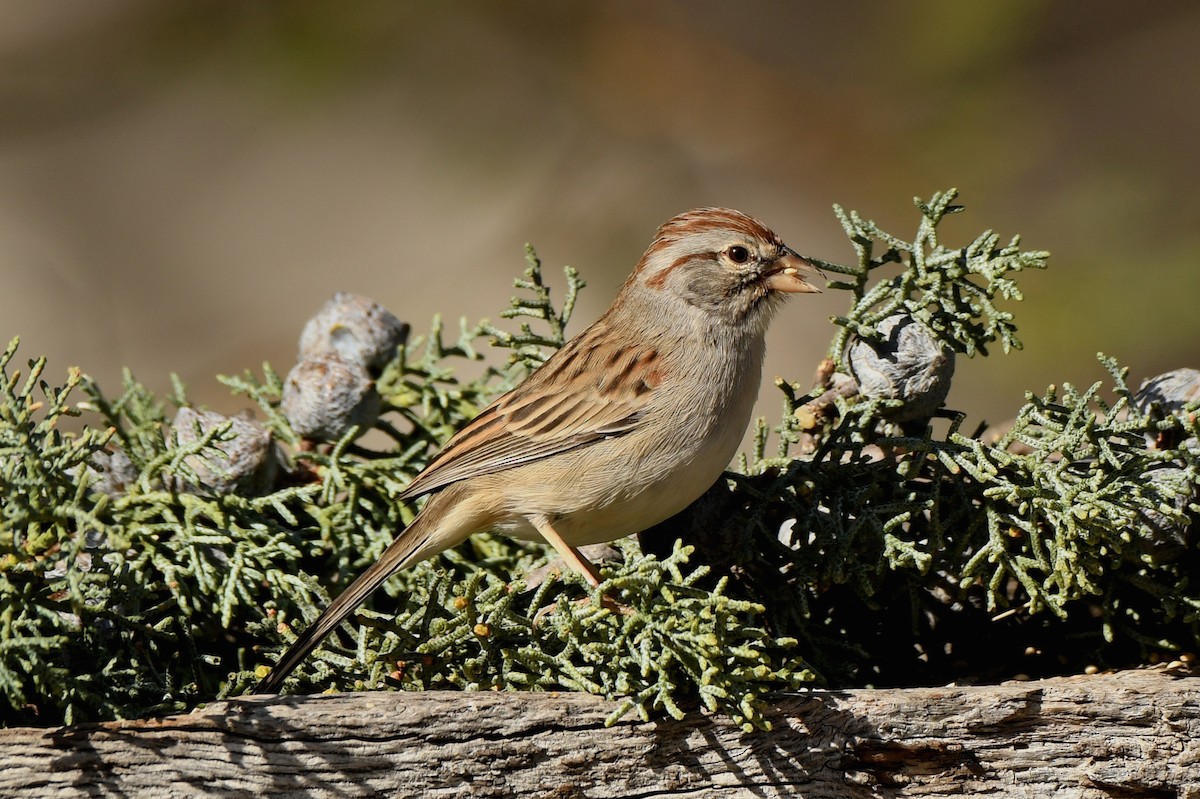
(1130, 734)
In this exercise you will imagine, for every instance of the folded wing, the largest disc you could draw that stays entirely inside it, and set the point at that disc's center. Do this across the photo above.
(588, 391)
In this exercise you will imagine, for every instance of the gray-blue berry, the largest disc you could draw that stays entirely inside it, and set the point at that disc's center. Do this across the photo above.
(326, 396)
(909, 363)
(241, 461)
(356, 329)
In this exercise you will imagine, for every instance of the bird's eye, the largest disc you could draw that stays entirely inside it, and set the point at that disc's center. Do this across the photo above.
(738, 254)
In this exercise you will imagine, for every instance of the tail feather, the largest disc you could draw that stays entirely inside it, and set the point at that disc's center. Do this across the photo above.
(399, 553)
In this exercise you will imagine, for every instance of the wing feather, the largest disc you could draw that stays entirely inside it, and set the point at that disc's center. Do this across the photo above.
(558, 408)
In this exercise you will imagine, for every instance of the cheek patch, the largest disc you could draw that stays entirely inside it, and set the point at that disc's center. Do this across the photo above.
(660, 279)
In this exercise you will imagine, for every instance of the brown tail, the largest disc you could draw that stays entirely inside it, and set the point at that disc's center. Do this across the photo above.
(398, 555)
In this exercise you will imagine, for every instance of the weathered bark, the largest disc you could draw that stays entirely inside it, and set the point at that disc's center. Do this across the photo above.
(1133, 734)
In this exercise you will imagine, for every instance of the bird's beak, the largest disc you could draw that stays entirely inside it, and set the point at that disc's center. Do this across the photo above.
(785, 275)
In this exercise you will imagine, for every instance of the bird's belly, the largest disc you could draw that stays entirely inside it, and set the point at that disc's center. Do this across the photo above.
(594, 525)
(605, 493)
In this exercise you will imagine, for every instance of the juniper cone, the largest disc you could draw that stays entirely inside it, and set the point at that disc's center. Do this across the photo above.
(620, 429)
(325, 396)
(354, 328)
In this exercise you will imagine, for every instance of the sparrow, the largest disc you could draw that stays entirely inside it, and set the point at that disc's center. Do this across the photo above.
(623, 427)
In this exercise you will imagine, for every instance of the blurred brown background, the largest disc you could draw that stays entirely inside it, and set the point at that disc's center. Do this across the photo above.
(181, 185)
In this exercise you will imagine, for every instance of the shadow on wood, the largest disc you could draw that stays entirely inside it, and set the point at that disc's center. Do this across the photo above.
(1131, 734)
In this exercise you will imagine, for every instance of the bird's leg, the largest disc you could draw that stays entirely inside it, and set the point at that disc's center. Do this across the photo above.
(573, 558)
(568, 553)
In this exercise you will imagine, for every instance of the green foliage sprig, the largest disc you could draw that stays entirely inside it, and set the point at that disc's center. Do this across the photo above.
(951, 290)
(529, 348)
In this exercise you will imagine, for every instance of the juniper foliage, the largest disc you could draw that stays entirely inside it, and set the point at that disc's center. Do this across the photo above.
(122, 594)
(900, 554)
